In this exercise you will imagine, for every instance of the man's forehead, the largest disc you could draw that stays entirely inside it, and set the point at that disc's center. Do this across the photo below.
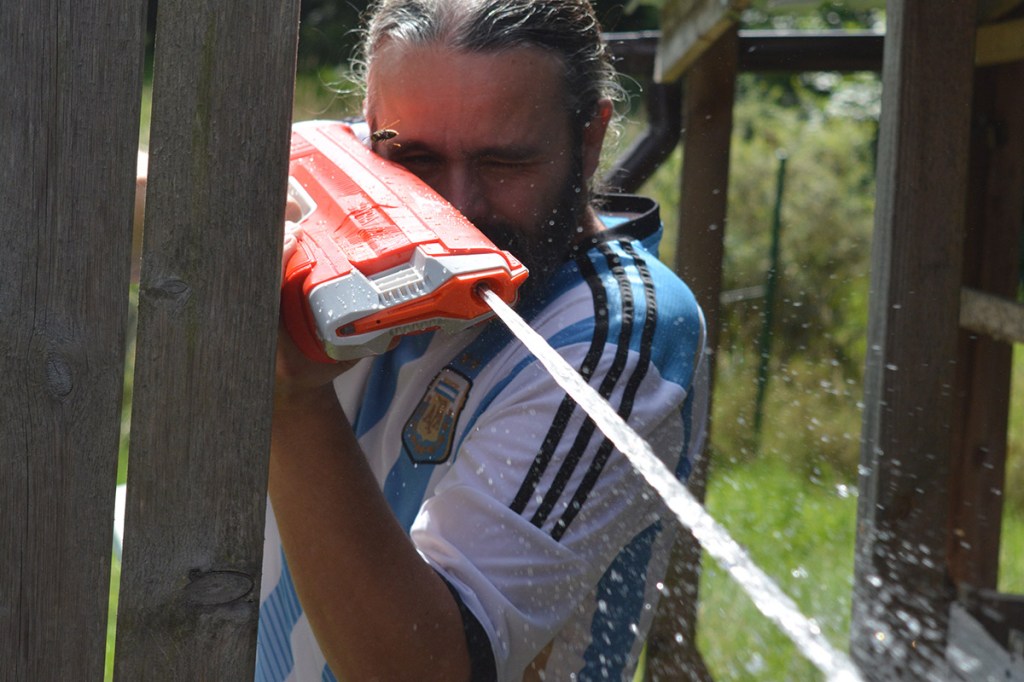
(428, 92)
(445, 72)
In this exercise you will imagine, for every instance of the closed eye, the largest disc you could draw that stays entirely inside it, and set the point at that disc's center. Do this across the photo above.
(415, 161)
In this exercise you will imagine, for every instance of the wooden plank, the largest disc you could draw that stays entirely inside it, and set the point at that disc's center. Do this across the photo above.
(991, 265)
(901, 591)
(208, 301)
(1000, 43)
(69, 115)
(708, 104)
(1001, 614)
(794, 51)
(974, 654)
(767, 50)
(989, 10)
(689, 27)
(994, 316)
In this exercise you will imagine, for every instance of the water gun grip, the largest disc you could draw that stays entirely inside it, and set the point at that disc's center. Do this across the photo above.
(296, 314)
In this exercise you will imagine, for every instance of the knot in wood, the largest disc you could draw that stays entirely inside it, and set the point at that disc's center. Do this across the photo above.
(172, 289)
(59, 378)
(213, 588)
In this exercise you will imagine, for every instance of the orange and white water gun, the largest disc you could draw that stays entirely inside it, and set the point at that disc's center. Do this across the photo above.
(380, 254)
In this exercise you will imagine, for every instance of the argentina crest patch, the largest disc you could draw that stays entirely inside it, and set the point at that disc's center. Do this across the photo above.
(428, 435)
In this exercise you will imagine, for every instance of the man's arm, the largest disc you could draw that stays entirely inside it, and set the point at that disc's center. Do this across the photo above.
(378, 610)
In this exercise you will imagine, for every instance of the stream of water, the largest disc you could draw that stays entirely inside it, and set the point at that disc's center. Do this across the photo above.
(762, 590)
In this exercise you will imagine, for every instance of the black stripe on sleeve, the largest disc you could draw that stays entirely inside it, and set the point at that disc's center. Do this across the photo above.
(608, 384)
(628, 398)
(565, 409)
(481, 656)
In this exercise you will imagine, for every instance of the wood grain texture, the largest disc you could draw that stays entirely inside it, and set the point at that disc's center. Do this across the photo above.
(208, 303)
(984, 363)
(69, 117)
(708, 105)
(689, 28)
(902, 590)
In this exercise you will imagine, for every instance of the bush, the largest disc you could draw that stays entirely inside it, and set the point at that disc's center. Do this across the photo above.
(812, 410)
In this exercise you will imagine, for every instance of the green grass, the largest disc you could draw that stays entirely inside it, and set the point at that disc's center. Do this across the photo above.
(802, 535)
(115, 582)
(1011, 549)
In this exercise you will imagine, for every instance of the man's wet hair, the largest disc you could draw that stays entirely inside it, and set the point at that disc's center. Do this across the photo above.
(568, 29)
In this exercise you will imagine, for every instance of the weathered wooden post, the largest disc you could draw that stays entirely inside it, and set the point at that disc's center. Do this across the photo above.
(69, 116)
(984, 364)
(224, 74)
(902, 588)
(705, 46)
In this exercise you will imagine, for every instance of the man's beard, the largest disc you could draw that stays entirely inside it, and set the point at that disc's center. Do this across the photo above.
(546, 244)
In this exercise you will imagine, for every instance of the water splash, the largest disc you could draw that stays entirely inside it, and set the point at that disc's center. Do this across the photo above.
(766, 595)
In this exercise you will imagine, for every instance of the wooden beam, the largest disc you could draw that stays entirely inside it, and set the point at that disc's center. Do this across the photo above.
(795, 51)
(689, 28)
(708, 104)
(984, 364)
(1000, 43)
(994, 316)
(1001, 614)
(208, 318)
(989, 10)
(986, 636)
(72, 90)
(901, 591)
(790, 51)
(974, 654)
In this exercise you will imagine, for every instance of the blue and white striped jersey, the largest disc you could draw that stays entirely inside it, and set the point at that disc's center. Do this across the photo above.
(550, 540)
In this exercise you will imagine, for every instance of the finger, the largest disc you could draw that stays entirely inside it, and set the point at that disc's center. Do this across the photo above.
(292, 210)
(292, 232)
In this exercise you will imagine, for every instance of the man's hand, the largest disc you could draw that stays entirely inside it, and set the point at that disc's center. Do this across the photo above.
(300, 380)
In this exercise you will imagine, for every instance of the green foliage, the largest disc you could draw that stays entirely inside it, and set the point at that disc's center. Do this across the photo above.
(814, 89)
(812, 416)
(328, 32)
(326, 93)
(798, 14)
(806, 545)
(1011, 549)
(804, 15)
(115, 584)
(1014, 487)
(827, 221)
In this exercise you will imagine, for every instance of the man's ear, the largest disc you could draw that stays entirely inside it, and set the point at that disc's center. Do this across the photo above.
(593, 137)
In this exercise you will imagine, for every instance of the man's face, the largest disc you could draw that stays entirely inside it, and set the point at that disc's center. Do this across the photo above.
(490, 133)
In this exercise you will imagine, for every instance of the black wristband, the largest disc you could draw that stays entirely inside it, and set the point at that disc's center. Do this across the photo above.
(481, 655)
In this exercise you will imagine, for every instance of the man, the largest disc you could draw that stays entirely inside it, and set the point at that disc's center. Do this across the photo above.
(518, 544)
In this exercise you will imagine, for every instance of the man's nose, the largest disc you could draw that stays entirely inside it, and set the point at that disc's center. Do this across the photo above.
(463, 190)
